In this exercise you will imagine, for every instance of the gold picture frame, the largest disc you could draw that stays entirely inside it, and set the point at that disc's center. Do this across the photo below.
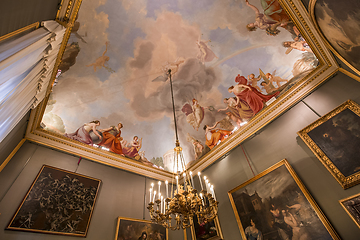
(333, 142)
(211, 232)
(275, 202)
(352, 207)
(52, 203)
(135, 228)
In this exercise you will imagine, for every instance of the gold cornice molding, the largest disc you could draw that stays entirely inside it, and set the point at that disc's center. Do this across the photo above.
(312, 4)
(327, 67)
(13, 152)
(19, 31)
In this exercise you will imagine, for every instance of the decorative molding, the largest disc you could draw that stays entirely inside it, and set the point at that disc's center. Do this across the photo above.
(19, 31)
(7, 160)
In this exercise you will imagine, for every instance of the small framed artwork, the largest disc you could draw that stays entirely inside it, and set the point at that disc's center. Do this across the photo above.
(129, 228)
(335, 140)
(58, 202)
(352, 207)
(276, 205)
(206, 230)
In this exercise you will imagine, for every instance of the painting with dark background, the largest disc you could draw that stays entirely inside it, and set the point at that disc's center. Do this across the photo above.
(339, 22)
(275, 205)
(352, 207)
(135, 229)
(206, 230)
(58, 202)
(339, 139)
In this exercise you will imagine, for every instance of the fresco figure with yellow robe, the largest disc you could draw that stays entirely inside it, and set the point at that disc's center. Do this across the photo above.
(214, 135)
(112, 139)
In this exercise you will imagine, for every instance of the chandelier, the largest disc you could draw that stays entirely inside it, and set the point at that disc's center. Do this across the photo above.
(177, 209)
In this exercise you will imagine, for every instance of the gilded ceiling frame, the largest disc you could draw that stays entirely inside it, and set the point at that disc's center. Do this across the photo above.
(327, 67)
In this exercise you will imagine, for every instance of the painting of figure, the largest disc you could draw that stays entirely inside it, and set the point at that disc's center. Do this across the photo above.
(135, 229)
(276, 205)
(339, 23)
(58, 202)
(352, 207)
(206, 230)
(125, 59)
(334, 138)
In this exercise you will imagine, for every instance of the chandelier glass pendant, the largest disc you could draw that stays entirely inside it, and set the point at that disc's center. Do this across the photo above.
(177, 209)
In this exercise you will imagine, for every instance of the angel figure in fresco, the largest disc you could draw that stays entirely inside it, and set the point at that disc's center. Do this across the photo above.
(273, 17)
(215, 135)
(253, 81)
(101, 61)
(239, 110)
(132, 150)
(275, 79)
(194, 113)
(112, 139)
(268, 89)
(169, 68)
(300, 45)
(82, 134)
(251, 96)
(206, 54)
(198, 147)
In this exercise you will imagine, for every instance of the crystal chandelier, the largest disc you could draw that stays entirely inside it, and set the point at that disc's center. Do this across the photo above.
(178, 208)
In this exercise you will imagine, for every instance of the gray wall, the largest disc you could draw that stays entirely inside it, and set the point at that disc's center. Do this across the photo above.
(122, 193)
(279, 140)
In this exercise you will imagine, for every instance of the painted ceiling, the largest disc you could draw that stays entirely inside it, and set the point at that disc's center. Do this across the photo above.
(115, 69)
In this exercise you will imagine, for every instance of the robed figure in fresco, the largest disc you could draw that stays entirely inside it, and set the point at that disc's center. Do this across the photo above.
(194, 113)
(112, 139)
(250, 95)
(213, 135)
(82, 134)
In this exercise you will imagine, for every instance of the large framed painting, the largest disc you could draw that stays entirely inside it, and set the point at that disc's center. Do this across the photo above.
(129, 228)
(352, 207)
(335, 139)
(338, 23)
(206, 230)
(58, 202)
(276, 205)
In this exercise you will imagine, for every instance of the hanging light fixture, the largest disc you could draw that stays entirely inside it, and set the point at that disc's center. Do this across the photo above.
(178, 208)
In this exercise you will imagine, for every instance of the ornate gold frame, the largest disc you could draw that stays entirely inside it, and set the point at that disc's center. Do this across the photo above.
(301, 186)
(312, 4)
(135, 220)
(357, 222)
(219, 235)
(49, 232)
(327, 67)
(345, 182)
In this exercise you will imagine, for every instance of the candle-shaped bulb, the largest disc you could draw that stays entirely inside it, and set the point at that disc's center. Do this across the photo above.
(205, 178)
(159, 183)
(150, 193)
(152, 185)
(200, 181)
(192, 180)
(166, 186)
(199, 173)
(154, 196)
(190, 173)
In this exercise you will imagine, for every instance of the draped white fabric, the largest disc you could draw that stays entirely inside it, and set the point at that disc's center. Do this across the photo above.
(26, 65)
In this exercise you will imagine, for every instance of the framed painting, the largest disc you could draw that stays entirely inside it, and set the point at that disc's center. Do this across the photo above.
(352, 207)
(58, 202)
(129, 228)
(206, 230)
(276, 205)
(335, 140)
(337, 23)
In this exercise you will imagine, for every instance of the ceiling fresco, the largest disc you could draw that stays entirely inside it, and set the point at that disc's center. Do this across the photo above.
(228, 60)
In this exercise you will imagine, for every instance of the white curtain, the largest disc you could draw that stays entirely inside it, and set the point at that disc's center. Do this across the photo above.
(26, 65)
